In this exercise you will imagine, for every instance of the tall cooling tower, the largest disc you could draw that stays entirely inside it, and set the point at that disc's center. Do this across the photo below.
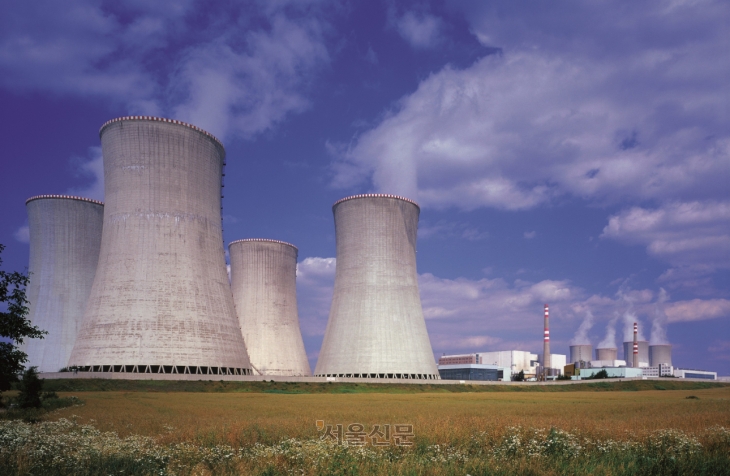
(376, 326)
(582, 352)
(263, 279)
(643, 353)
(607, 353)
(161, 300)
(65, 236)
(660, 354)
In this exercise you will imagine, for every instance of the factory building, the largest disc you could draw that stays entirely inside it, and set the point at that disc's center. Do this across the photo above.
(660, 354)
(515, 360)
(643, 353)
(473, 371)
(263, 280)
(661, 370)
(65, 236)
(607, 363)
(607, 353)
(582, 352)
(691, 373)
(161, 301)
(376, 326)
(613, 372)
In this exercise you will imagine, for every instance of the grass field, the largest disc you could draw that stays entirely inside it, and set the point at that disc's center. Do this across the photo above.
(257, 428)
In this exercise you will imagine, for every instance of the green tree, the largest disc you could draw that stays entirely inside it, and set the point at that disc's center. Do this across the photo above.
(14, 325)
(520, 377)
(30, 389)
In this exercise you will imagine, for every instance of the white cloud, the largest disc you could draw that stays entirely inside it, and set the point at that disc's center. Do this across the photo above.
(420, 30)
(558, 117)
(315, 282)
(22, 234)
(91, 168)
(697, 310)
(684, 234)
(529, 235)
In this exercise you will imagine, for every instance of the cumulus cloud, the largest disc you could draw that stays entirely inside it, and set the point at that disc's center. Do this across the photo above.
(420, 30)
(237, 77)
(697, 310)
(684, 233)
(91, 168)
(22, 234)
(552, 117)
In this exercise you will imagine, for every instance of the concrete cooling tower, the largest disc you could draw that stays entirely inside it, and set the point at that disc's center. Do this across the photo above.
(581, 352)
(376, 327)
(65, 236)
(660, 354)
(161, 301)
(643, 353)
(607, 353)
(263, 279)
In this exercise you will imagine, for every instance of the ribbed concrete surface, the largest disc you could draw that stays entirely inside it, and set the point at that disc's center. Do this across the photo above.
(161, 294)
(263, 280)
(376, 325)
(580, 352)
(660, 354)
(643, 353)
(65, 236)
(607, 353)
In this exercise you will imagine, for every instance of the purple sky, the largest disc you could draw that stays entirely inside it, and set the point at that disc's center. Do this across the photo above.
(576, 154)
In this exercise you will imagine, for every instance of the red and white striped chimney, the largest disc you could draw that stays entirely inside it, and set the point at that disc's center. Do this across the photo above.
(636, 345)
(546, 360)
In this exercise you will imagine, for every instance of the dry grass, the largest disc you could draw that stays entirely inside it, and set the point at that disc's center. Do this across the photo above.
(242, 419)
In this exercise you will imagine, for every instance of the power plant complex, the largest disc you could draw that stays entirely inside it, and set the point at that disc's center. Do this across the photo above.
(139, 284)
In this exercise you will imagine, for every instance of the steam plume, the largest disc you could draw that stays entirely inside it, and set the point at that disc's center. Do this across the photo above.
(581, 335)
(659, 322)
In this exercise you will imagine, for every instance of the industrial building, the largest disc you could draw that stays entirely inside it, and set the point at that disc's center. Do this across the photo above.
(263, 280)
(643, 353)
(581, 352)
(161, 301)
(376, 326)
(474, 372)
(692, 373)
(661, 370)
(65, 236)
(515, 360)
(613, 372)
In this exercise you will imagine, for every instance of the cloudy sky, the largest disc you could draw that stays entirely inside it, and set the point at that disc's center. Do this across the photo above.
(574, 153)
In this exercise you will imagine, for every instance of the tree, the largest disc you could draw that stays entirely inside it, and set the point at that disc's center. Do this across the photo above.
(520, 377)
(14, 326)
(30, 389)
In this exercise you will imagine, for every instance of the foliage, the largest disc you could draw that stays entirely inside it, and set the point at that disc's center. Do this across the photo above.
(67, 447)
(598, 375)
(520, 377)
(563, 377)
(14, 325)
(30, 389)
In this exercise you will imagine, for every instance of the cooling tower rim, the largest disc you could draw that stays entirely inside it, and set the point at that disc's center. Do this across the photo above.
(162, 119)
(375, 195)
(264, 240)
(65, 197)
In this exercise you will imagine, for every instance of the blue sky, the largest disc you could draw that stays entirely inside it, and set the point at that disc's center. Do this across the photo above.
(575, 153)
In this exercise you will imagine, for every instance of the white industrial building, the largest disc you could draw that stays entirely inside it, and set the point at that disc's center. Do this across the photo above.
(515, 360)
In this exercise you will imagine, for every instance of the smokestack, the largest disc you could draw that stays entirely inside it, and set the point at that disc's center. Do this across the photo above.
(376, 327)
(636, 345)
(546, 360)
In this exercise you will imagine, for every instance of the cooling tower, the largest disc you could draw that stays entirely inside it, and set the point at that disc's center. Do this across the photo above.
(263, 279)
(376, 326)
(607, 353)
(582, 352)
(660, 354)
(161, 301)
(643, 353)
(65, 235)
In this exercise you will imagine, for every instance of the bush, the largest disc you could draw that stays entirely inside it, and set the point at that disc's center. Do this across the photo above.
(30, 389)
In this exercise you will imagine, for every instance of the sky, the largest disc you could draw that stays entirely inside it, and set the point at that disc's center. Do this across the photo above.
(570, 153)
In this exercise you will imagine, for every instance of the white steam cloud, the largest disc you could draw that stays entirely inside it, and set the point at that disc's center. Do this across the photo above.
(659, 322)
(609, 342)
(581, 335)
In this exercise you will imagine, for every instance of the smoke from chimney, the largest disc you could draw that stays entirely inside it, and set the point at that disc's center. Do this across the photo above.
(581, 335)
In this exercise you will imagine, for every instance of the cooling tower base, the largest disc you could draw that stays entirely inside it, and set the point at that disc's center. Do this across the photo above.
(164, 369)
(390, 375)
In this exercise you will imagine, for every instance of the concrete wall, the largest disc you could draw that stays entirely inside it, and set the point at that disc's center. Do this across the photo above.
(376, 323)
(263, 280)
(65, 236)
(161, 294)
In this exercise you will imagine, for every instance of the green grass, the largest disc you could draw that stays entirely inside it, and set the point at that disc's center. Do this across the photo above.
(101, 385)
